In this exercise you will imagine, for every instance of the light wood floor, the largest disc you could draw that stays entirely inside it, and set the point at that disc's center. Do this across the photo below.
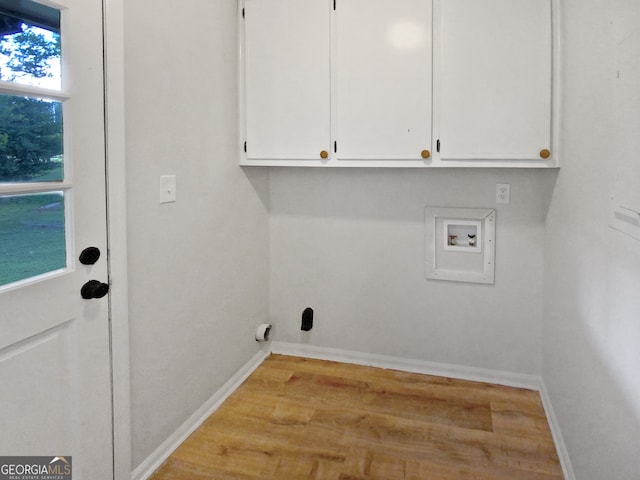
(297, 418)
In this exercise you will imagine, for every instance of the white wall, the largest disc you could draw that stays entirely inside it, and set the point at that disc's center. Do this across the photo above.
(592, 313)
(350, 244)
(197, 268)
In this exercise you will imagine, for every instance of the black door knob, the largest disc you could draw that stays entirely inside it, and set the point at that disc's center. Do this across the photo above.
(94, 289)
(89, 256)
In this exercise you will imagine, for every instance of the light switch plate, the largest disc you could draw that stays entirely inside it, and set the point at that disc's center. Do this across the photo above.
(503, 193)
(167, 188)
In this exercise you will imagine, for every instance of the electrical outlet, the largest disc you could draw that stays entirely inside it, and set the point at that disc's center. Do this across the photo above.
(307, 319)
(503, 193)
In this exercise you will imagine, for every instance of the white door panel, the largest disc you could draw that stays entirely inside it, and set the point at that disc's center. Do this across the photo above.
(38, 368)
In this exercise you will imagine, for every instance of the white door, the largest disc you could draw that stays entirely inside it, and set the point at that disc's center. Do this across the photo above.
(55, 387)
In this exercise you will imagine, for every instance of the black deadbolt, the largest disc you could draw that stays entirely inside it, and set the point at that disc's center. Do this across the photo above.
(89, 256)
(94, 289)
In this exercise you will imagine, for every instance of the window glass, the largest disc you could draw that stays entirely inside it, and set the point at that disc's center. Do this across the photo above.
(32, 225)
(30, 46)
(30, 140)
(32, 235)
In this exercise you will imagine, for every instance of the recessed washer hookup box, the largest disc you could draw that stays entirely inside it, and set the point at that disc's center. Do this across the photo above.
(460, 244)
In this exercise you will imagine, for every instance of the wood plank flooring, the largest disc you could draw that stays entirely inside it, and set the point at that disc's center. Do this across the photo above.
(297, 418)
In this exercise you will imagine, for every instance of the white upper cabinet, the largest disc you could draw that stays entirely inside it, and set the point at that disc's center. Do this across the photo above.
(398, 83)
(493, 80)
(287, 55)
(383, 71)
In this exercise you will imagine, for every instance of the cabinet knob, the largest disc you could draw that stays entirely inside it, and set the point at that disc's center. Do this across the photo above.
(426, 153)
(324, 154)
(545, 153)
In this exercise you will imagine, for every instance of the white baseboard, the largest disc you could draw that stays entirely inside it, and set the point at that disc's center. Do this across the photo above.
(158, 457)
(561, 447)
(531, 382)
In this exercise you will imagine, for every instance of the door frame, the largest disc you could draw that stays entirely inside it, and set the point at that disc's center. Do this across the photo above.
(114, 99)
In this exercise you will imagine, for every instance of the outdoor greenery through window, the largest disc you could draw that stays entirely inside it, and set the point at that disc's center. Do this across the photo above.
(30, 140)
(32, 226)
(30, 128)
(29, 55)
(31, 235)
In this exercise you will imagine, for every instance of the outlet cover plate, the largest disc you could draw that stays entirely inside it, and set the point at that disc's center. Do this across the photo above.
(503, 193)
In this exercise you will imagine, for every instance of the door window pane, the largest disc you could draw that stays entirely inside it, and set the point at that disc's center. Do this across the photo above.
(32, 235)
(30, 140)
(30, 44)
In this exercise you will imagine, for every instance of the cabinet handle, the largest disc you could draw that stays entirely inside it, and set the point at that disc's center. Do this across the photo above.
(426, 153)
(545, 153)
(324, 154)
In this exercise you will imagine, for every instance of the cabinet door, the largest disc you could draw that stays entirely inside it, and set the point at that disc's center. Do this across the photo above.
(494, 79)
(383, 78)
(287, 46)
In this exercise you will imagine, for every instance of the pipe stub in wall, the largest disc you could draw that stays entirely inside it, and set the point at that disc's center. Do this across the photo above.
(262, 332)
